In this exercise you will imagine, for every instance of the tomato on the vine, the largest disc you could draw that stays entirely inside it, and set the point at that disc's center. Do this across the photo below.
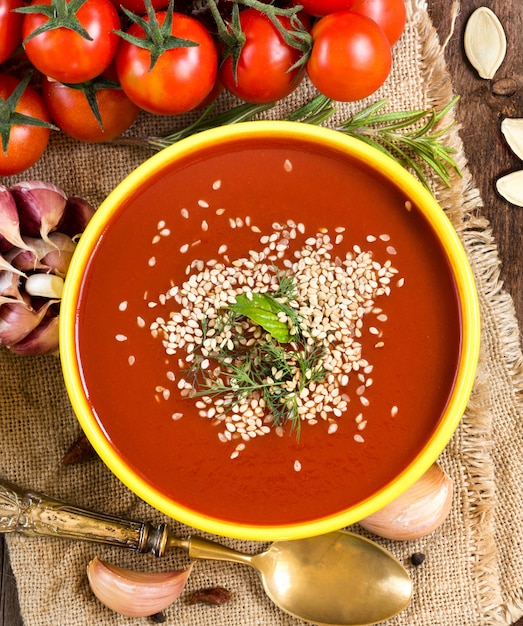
(319, 8)
(138, 6)
(350, 57)
(264, 69)
(181, 77)
(67, 54)
(10, 28)
(71, 110)
(25, 141)
(390, 15)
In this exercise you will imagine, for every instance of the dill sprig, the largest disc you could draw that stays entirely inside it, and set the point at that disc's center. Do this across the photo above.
(413, 138)
(268, 370)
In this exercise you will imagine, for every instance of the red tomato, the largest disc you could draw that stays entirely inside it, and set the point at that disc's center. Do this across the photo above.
(350, 57)
(26, 143)
(64, 54)
(263, 71)
(138, 6)
(319, 8)
(10, 28)
(389, 15)
(70, 110)
(181, 77)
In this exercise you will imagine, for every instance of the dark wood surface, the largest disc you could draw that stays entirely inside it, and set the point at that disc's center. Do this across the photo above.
(480, 113)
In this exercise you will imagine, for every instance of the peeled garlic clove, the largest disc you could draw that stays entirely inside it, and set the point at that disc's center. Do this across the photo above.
(44, 285)
(418, 511)
(485, 42)
(512, 129)
(511, 187)
(135, 594)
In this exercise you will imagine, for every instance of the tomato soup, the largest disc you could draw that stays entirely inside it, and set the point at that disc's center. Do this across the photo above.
(220, 206)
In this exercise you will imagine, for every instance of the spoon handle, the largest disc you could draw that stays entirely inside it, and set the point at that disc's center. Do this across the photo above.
(37, 515)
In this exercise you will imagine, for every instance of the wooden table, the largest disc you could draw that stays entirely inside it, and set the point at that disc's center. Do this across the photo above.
(480, 113)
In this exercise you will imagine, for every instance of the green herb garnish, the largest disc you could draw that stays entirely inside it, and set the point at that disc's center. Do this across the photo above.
(265, 358)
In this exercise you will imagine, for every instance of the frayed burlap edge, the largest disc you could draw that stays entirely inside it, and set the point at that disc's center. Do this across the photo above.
(473, 228)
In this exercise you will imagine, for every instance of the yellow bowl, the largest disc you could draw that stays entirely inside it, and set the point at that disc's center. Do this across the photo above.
(142, 183)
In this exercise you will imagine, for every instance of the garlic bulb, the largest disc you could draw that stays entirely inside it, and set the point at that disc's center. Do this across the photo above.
(135, 594)
(38, 229)
(418, 511)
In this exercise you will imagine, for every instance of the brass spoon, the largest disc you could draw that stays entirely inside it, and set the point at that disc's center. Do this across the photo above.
(336, 579)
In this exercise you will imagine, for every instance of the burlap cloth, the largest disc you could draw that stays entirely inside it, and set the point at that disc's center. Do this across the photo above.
(473, 572)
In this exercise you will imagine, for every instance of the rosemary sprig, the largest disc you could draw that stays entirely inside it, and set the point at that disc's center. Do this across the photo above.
(413, 138)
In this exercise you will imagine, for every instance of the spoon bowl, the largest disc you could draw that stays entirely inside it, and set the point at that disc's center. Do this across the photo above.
(336, 579)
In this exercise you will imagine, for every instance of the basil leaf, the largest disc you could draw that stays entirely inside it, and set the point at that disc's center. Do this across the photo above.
(263, 309)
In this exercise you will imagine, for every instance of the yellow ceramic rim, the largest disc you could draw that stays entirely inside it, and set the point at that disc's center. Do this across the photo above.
(466, 292)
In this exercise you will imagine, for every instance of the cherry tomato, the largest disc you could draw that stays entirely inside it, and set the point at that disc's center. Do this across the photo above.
(71, 112)
(389, 15)
(26, 143)
(263, 71)
(319, 8)
(138, 6)
(181, 77)
(66, 56)
(350, 57)
(10, 28)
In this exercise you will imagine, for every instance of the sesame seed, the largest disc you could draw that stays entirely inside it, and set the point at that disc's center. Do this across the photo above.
(203, 203)
(217, 184)
(123, 305)
(176, 416)
(359, 439)
(297, 466)
(394, 411)
(152, 261)
(287, 165)
(121, 337)
(184, 213)
(184, 248)
(131, 360)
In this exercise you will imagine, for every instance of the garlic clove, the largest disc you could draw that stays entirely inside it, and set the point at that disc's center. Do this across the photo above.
(77, 214)
(9, 220)
(44, 285)
(511, 187)
(135, 594)
(18, 319)
(40, 207)
(9, 285)
(418, 511)
(5, 265)
(42, 340)
(485, 42)
(512, 129)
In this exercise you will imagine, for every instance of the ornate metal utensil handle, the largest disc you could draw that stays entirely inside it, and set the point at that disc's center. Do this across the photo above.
(35, 514)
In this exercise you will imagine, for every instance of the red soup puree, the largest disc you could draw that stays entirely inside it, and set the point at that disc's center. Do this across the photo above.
(217, 224)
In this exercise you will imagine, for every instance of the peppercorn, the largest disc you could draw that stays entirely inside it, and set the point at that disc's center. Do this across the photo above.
(417, 559)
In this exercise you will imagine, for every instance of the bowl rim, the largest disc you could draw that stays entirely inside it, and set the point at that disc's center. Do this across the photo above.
(466, 291)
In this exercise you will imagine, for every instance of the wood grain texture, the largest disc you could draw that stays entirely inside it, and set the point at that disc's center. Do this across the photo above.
(480, 113)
